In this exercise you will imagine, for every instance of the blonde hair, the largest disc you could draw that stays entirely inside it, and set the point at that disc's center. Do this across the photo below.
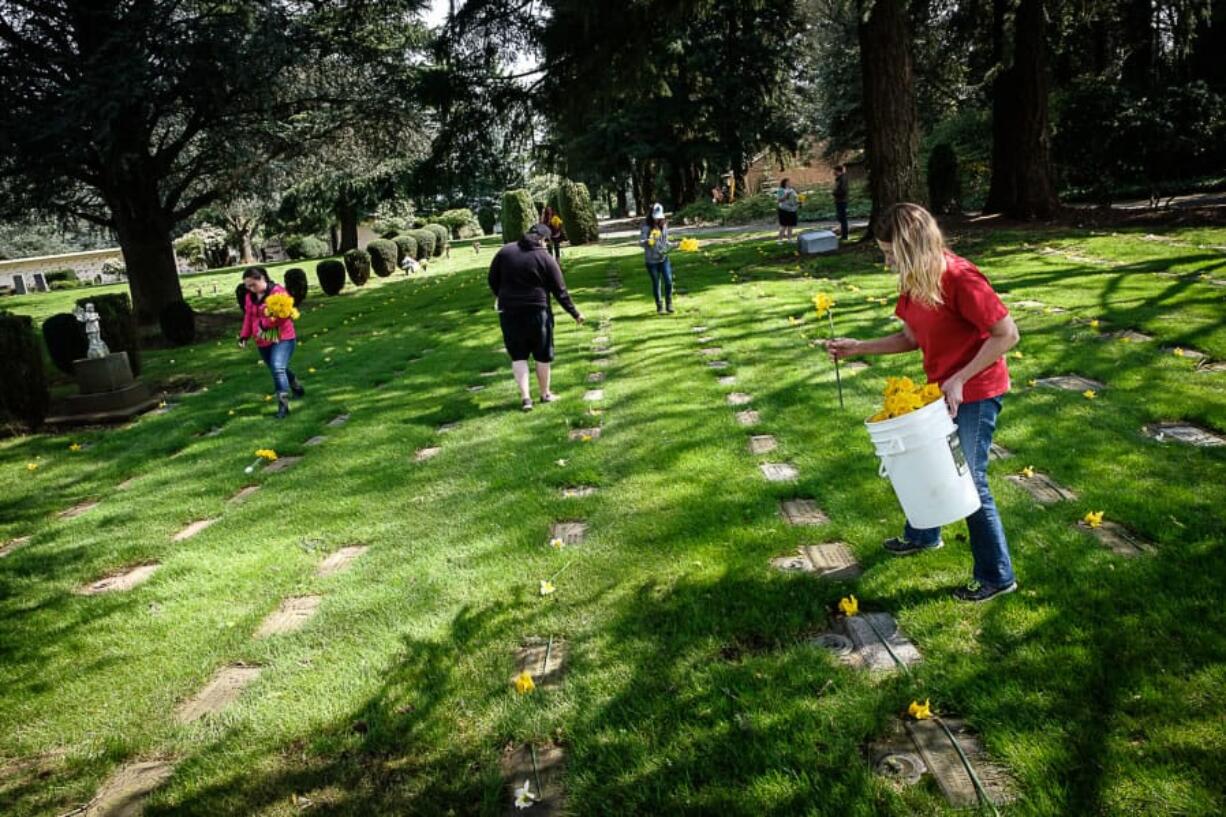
(918, 248)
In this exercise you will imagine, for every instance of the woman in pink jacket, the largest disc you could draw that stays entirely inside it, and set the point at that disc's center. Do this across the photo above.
(274, 337)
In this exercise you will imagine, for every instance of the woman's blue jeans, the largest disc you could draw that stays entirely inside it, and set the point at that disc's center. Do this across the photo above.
(276, 357)
(661, 273)
(976, 423)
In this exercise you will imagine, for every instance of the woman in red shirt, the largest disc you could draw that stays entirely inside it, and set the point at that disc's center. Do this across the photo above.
(951, 314)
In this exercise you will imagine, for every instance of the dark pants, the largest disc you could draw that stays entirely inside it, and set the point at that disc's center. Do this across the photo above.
(840, 209)
(661, 274)
(276, 358)
(555, 248)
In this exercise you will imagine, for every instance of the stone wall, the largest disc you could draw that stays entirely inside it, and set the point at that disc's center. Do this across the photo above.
(21, 275)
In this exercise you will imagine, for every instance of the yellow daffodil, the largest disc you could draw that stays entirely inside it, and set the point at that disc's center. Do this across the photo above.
(524, 798)
(547, 587)
(1018, 354)
(231, 412)
(1178, 352)
(1032, 382)
(920, 712)
(585, 438)
(560, 463)
(822, 303)
(849, 606)
(267, 397)
(31, 466)
(311, 370)
(1094, 324)
(1028, 472)
(689, 245)
(1094, 519)
(556, 543)
(793, 321)
(74, 447)
(524, 683)
(162, 404)
(1089, 394)
(266, 454)
(853, 288)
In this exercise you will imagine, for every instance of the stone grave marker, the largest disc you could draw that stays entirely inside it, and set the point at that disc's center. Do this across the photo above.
(1029, 304)
(78, 509)
(1128, 336)
(571, 532)
(748, 417)
(944, 763)
(831, 560)
(1044, 489)
(739, 398)
(578, 491)
(318, 439)
(338, 421)
(476, 388)
(1118, 538)
(340, 560)
(282, 464)
(489, 374)
(711, 351)
(1186, 433)
(999, 452)
(802, 512)
(699, 329)
(1184, 352)
(244, 493)
(577, 434)
(428, 453)
(222, 690)
(1217, 367)
(446, 428)
(13, 544)
(213, 432)
(872, 652)
(593, 395)
(291, 616)
(192, 529)
(779, 471)
(762, 444)
(600, 341)
(1070, 382)
(126, 484)
(718, 364)
(542, 769)
(544, 659)
(895, 758)
(705, 339)
(121, 581)
(124, 792)
(595, 377)
(727, 380)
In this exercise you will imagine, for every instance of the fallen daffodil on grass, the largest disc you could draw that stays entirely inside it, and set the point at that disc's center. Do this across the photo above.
(31, 466)
(547, 588)
(689, 245)
(1178, 352)
(1094, 519)
(1028, 472)
(556, 543)
(849, 606)
(920, 712)
(524, 798)
(524, 683)
(75, 447)
(1089, 394)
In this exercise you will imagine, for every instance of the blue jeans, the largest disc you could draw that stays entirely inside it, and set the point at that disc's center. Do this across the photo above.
(976, 422)
(276, 357)
(661, 272)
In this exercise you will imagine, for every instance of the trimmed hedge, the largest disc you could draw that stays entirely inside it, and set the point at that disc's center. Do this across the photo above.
(296, 284)
(357, 264)
(487, 217)
(301, 247)
(65, 339)
(383, 256)
(23, 382)
(118, 325)
(331, 275)
(442, 236)
(518, 214)
(426, 239)
(178, 323)
(406, 247)
(460, 222)
(578, 217)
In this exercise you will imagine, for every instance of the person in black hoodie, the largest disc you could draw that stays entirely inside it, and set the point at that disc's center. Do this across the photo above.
(522, 277)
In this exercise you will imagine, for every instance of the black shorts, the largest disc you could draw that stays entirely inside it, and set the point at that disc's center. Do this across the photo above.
(787, 218)
(528, 332)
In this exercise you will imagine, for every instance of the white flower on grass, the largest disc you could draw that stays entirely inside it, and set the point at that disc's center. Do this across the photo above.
(524, 798)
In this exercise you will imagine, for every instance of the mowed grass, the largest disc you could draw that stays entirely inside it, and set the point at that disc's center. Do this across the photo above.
(690, 687)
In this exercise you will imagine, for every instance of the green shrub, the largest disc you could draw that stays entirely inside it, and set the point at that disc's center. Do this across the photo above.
(382, 256)
(943, 182)
(461, 223)
(487, 217)
(426, 239)
(65, 339)
(118, 325)
(578, 217)
(299, 247)
(331, 275)
(56, 286)
(442, 236)
(296, 284)
(554, 200)
(357, 264)
(406, 247)
(178, 323)
(23, 382)
(60, 275)
(700, 212)
(761, 207)
(518, 214)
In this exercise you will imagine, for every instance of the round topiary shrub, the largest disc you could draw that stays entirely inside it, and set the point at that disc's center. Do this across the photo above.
(24, 397)
(331, 275)
(426, 240)
(487, 217)
(441, 237)
(178, 323)
(118, 325)
(65, 339)
(944, 186)
(578, 217)
(299, 247)
(406, 247)
(518, 214)
(383, 256)
(296, 284)
(357, 264)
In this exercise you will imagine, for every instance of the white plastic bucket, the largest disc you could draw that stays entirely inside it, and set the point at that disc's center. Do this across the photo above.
(921, 455)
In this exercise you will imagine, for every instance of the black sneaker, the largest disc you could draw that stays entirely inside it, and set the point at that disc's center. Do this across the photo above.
(659, 309)
(976, 592)
(669, 308)
(526, 405)
(296, 389)
(901, 547)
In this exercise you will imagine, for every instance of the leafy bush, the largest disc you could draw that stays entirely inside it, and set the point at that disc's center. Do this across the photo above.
(460, 223)
(331, 275)
(553, 200)
(442, 236)
(943, 184)
(299, 247)
(202, 247)
(114, 268)
(296, 284)
(382, 256)
(578, 217)
(700, 212)
(178, 323)
(426, 239)
(23, 382)
(760, 207)
(406, 247)
(56, 286)
(118, 325)
(487, 217)
(60, 275)
(518, 214)
(357, 264)
(65, 339)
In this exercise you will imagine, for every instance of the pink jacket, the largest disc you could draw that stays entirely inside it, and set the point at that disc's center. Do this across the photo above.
(254, 319)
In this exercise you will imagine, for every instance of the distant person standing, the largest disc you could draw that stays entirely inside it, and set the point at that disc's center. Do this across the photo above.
(554, 222)
(840, 193)
(653, 238)
(789, 208)
(522, 277)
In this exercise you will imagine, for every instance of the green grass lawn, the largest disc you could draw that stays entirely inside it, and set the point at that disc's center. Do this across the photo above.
(690, 688)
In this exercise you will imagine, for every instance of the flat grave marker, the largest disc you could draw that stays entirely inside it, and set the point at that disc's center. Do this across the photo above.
(544, 659)
(243, 494)
(872, 652)
(831, 560)
(593, 395)
(124, 792)
(1070, 382)
(78, 509)
(748, 417)
(762, 444)
(192, 529)
(699, 329)
(338, 421)
(446, 428)
(428, 453)
(595, 377)
(999, 452)
(945, 764)
(282, 464)
(340, 560)
(718, 364)
(1185, 433)
(1118, 539)
(711, 351)
(705, 339)
(121, 581)
(727, 380)
(571, 531)
(802, 511)
(577, 434)
(291, 616)
(1044, 489)
(126, 484)
(578, 491)
(13, 544)
(476, 388)
(318, 439)
(1128, 336)
(739, 398)
(779, 471)
(542, 770)
(222, 690)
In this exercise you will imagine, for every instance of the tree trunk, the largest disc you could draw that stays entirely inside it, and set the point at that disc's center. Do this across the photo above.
(334, 238)
(623, 206)
(1022, 185)
(347, 215)
(1137, 22)
(148, 252)
(676, 185)
(890, 117)
(246, 247)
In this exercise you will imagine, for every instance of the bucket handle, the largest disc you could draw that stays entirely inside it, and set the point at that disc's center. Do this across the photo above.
(892, 446)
